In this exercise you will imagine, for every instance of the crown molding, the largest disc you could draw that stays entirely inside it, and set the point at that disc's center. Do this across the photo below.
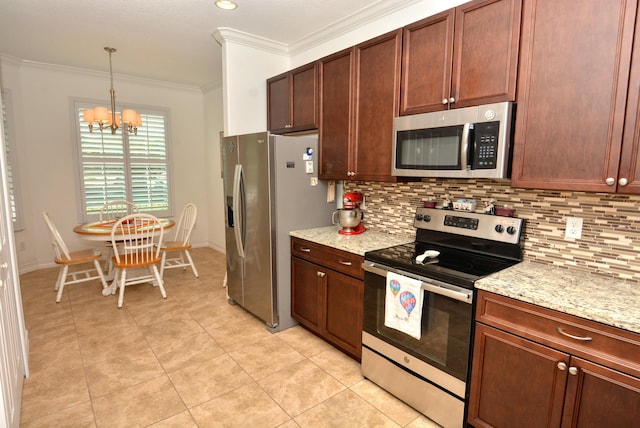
(96, 73)
(350, 22)
(226, 34)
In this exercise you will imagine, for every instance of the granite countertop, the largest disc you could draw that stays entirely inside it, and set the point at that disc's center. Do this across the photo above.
(605, 300)
(370, 240)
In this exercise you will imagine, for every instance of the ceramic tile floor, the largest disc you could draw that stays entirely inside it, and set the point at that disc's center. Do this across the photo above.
(192, 360)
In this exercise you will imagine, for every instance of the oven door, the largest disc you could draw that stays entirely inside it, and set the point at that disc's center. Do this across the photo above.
(444, 345)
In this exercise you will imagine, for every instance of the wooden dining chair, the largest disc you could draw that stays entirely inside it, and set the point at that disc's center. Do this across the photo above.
(181, 243)
(116, 209)
(112, 211)
(137, 255)
(66, 258)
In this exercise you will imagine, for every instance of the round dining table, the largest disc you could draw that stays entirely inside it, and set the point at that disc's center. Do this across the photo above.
(101, 231)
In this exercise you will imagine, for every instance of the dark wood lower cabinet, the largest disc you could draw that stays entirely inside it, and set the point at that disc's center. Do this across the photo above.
(545, 380)
(514, 379)
(324, 300)
(343, 311)
(600, 397)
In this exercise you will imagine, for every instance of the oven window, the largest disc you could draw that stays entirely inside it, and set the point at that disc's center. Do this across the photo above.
(437, 148)
(446, 328)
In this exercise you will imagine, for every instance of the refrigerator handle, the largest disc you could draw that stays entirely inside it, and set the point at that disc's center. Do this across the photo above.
(239, 216)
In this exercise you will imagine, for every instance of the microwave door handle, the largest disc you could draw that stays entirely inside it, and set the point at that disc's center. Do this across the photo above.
(464, 146)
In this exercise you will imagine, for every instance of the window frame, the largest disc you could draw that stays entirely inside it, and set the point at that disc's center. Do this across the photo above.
(79, 103)
(6, 108)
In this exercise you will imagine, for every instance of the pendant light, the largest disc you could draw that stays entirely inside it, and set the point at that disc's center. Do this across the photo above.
(103, 118)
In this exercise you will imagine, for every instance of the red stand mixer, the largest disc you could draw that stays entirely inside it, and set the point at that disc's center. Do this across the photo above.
(350, 216)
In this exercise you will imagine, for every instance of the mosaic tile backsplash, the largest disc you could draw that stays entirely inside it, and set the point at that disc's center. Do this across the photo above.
(610, 243)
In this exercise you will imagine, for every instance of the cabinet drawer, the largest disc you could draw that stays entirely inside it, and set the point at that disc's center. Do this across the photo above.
(613, 347)
(338, 260)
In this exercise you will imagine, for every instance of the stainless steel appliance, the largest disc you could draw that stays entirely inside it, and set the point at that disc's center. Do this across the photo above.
(350, 216)
(471, 142)
(452, 250)
(270, 187)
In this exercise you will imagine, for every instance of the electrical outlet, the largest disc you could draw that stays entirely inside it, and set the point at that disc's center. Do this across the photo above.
(574, 228)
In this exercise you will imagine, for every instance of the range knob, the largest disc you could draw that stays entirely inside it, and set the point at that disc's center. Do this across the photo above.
(426, 218)
(511, 230)
(419, 217)
(499, 228)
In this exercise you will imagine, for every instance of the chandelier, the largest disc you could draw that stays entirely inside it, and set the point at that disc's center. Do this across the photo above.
(104, 118)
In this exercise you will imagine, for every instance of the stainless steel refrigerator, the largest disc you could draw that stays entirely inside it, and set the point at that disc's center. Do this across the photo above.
(271, 187)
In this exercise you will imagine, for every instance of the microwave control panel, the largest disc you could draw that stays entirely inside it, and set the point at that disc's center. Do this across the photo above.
(485, 147)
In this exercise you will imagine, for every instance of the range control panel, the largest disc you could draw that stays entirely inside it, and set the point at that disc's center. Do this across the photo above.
(477, 225)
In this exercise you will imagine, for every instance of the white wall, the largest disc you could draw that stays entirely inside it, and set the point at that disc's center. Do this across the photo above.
(215, 194)
(247, 62)
(44, 132)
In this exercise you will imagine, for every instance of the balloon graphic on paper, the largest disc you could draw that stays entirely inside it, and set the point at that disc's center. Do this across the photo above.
(408, 301)
(395, 287)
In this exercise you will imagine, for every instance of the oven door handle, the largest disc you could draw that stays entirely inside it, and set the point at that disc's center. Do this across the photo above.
(463, 295)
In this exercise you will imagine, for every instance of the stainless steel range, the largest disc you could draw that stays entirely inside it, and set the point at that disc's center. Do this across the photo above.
(419, 305)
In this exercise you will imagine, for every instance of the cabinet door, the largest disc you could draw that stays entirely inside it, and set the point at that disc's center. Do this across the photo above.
(377, 69)
(426, 64)
(485, 52)
(514, 379)
(629, 165)
(343, 309)
(306, 293)
(278, 104)
(304, 89)
(600, 397)
(572, 88)
(335, 110)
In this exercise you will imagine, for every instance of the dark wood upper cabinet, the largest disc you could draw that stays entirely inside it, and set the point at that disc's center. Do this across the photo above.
(292, 99)
(359, 90)
(461, 57)
(335, 115)
(574, 79)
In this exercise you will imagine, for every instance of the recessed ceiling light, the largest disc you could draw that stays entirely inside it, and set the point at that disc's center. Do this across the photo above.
(226, 4)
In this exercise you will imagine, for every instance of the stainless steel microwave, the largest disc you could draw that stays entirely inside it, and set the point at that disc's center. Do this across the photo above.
(470, 142)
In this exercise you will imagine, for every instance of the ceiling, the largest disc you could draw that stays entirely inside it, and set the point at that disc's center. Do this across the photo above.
(166, 40)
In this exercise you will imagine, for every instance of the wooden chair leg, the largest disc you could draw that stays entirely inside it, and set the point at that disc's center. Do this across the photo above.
(121, 284)
(62, 279)
(193, 266)
(101, 274)
(162, 262)
(156, 273)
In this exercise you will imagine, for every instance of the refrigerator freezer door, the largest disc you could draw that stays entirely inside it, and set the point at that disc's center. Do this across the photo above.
(229, 151)
(259, 291)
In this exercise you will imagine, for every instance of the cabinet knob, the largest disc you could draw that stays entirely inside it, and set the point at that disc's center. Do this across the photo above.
(573, 371)
(452, 100)
(445, 101)
(610, 181)
(562, 366)
(288, 126)
(623, 181)
(321, 274)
